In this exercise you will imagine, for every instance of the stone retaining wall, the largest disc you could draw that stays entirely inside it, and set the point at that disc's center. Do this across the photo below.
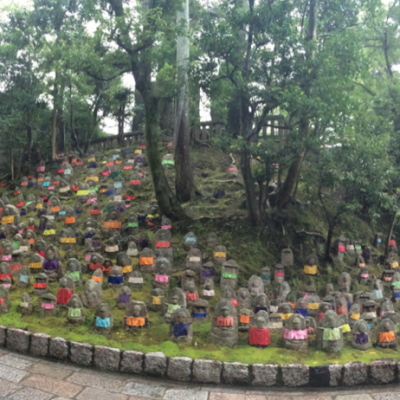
(185, 369)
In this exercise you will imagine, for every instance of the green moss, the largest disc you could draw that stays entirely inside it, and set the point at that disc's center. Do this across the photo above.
(250, 248)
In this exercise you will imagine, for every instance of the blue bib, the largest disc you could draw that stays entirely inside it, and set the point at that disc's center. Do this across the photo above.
(103, 322)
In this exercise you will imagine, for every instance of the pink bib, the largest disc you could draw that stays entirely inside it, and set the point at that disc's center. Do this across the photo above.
(295, 335)
(162, 278)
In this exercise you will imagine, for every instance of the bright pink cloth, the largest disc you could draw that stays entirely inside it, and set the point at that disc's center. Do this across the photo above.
(166, 227)
(6, 258)
(48, 306)
(279, 274)
(40, 169)
(342, 249)
(162, 278)
(91, 200)
(295, 335)
(88, 257)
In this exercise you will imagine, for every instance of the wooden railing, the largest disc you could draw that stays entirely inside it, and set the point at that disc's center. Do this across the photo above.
(274, 129)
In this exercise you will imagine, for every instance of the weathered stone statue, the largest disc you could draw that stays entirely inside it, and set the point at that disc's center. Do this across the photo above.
(135, 280)
(224, 328)
(194, 259)
(103, 319)
(287, 259)
(176, 299)
(124, 297)
(255, 285)
(295, 334)
(219, 254)
(329, 333)
(162, 272)
(386, 334)
(116, 278)
(279, 276)
(40, 285)
(147, 261)
(156, 300)
(311, 264)
(181, 329)
(229, 274)
(25, 306)
(48, 305)
(135, 316)
(361, 335)
(51, 266)
(189, 241)
(259, 332)
(75, 314)
(92, 296)
(65, 291)
(244, 298)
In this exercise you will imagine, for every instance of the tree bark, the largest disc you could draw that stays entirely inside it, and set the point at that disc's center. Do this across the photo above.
(54, 132)
(254, 212)
(183, 171)
(329, 240)
(138, 118)
(165, 198)
(284, 195)
(392, 221)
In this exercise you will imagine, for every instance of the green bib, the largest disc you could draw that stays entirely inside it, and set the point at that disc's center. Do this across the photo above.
(74, 312)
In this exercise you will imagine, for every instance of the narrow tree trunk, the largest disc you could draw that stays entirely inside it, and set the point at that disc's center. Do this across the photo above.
(254, 212)
(121, 119)
(54, 133)
(12, 165)
(164, 195)
(138, 118)
(392, 221)
(329, 240)
(183, 170)
(29, 140)
(284, 194)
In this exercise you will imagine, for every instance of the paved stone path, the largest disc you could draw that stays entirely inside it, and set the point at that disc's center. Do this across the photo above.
(28, 378)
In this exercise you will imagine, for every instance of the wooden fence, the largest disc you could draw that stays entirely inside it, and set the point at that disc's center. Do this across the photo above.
(274, 129)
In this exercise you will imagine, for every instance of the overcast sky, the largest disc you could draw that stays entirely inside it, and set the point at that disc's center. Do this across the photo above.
(110, 125)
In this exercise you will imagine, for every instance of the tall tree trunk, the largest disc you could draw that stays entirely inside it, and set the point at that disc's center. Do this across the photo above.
(138, 118)
(60, 122)
(284, 195)
(254, 212)
(29, 140)
(183, 171)
(164, 195)
(54, 133)
(121, 120)
(329, 240)
(391, 226)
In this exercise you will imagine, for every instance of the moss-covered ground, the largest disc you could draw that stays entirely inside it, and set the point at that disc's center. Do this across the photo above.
(252, 249)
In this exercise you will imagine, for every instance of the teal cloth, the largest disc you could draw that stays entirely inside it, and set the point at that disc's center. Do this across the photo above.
(103, 322)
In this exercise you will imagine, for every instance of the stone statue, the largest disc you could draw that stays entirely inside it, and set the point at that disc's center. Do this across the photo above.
(92, 296)
(224, 328)
(295, 334)
(75, 314)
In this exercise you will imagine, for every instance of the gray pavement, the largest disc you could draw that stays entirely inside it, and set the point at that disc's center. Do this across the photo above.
(29, 378)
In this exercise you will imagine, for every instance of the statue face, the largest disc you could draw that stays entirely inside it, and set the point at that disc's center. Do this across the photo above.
(174, 299)
(225, 312)
(136, 311)
(296, 323)
(260, 322)
(50, 255)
